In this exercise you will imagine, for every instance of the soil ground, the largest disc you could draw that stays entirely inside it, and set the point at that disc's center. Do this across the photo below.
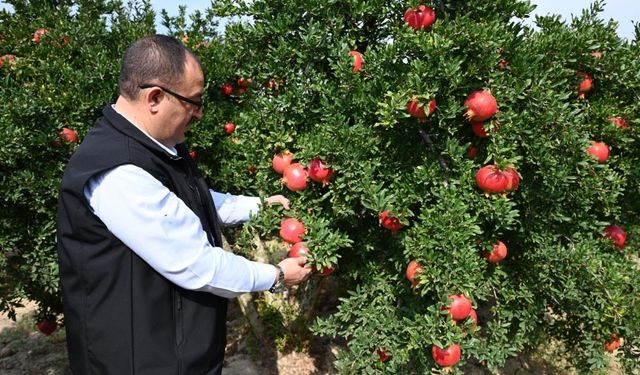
(26, 351)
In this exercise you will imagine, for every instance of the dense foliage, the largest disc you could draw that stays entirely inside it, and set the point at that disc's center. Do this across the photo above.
(403, 187)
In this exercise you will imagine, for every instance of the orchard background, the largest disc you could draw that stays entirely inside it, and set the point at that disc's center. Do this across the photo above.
(392, 123)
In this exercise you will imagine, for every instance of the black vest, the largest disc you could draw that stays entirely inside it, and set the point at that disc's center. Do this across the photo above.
(121, 316)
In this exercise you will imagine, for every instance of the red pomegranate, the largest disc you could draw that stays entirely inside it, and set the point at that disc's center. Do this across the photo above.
(619, 122)
(8, 59)
(513, 179)
(226, 89)
(613, 343)
(38, 34)
(616, 234)
(383, 354)
(446, 357)
(358, 60)
(326, 271)
(319, 172)
(426, 15)
(68, 135)
(413, 269)
(585, 86)
(481, 106)
(478, 129)
(416, 109)
(460, 307)
(299, 249)
(474, 316)
(492, 180)
(498, 253)
(472, 151)
(599, 150)
(281, 161)
(295, 177)
(390, 222)
(291, 230)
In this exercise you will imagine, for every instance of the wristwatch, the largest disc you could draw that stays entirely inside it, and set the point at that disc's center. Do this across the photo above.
(278, 285)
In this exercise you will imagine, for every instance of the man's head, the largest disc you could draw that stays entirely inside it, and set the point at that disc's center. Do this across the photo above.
(163, 83)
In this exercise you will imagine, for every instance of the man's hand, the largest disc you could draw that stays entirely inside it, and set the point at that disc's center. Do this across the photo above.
(294, 270)
(278, 199)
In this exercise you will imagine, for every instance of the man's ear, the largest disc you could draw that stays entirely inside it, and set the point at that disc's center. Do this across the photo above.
(152, 99)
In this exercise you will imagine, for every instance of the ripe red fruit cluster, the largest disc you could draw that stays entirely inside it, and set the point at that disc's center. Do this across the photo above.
(585, 85)
(390, 222)
(481, 106)
(295, 174)
(8, 59)
(358, 60)
(495, 181)
(413, 268)
(599, 150)
(226, 89)
(38, 34)
(68, 135)
(420, 18)
(616, 234)
(448, 356)
(47, 325)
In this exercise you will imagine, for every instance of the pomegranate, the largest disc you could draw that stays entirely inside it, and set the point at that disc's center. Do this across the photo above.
(68, 135)
(411, 19)
(474, 316)
(326, 271)
(243, 82)
(281, 161)
(390, 222)
(193, 154)
(586, 85)
(416, 109)
(599, 150)
(47, 325)
(8, 59)
(426, 15)
(460, 307)
(502, 64)
(446, 357)
(319, 172)
(616, 234)
(38, 34)
(619, 122)
(478, 129)
(226, 89)
(472, 151)
(358, 60)
(513, 179)
(612, 344)
(299, 249)
(492, 180)
(295, 177)
(413, 269)
(481, 106)
(291, 230)
(383, 354)
(498, 253)
(229, 127)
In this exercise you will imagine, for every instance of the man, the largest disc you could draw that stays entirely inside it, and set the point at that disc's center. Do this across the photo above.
(144, 280)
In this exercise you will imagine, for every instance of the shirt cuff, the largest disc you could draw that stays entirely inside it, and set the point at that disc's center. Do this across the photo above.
(265, 276)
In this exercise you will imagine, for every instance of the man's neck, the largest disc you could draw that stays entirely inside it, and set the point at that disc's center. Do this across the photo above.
(127, 110)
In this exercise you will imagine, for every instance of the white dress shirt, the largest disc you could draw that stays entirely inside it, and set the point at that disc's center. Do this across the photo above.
(161, 229)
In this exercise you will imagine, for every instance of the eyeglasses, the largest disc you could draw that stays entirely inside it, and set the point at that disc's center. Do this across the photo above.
(196, 103)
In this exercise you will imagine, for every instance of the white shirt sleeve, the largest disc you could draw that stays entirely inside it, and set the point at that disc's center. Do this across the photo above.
(235, 209)
(161, 229)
